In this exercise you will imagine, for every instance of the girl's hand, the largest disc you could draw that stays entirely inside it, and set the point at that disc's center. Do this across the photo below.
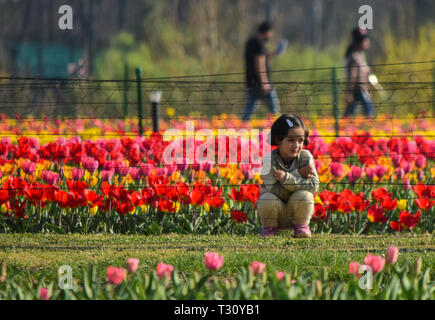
(307, 172)
(279, 175)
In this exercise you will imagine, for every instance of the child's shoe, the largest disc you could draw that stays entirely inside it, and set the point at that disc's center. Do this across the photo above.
(268, 232)
(301, 231)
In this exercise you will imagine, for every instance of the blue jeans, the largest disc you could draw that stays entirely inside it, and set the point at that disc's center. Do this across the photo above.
(254, 95)
(366, 101)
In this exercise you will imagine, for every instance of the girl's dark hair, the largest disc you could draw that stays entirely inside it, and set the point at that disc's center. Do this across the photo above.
(281, 127)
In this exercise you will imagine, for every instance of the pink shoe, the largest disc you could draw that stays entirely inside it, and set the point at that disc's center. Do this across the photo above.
(301, 231)
(268, 232)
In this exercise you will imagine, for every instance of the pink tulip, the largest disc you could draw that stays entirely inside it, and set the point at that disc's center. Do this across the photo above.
(146, 169)
(400, 173)
(77, 173)
(106, 175)
(29, 167)
(370, 172)
(375, 262)
(44, 294)
(162, 171)
(397, 159)
(354, 268)
(124, 170)
(392, 255)
(280, 275)
(380, 171)
(213, 261)
(420, 175)
(258, 267)
(90, 164)
(355, 173)
(135, 173)
(411, 147)
(132, 264)
(406, 166)
(50, 177)
(336, 169)
(420, 161)
(164, 270)
(115, 275)
(406, 184)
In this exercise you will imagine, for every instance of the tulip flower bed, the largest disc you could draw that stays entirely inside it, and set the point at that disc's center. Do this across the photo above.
(388, 280)
(368, 184)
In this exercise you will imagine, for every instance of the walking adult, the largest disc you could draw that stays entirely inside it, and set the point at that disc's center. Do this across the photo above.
(259, 86)
(358, 74)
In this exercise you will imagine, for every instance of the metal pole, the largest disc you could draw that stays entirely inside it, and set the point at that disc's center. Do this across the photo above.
(335, 100)
(433, 88)
(139, 99)
(126, 90)
(155, 115)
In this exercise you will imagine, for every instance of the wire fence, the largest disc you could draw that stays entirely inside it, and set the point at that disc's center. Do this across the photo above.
(407, 88)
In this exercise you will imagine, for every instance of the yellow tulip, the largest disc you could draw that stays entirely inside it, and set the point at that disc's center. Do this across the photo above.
(226, 208)
(402, 203)
(207, 207)
(144, 208)
(94, 181)
(170, 111)
(3, 208)
(94, 210)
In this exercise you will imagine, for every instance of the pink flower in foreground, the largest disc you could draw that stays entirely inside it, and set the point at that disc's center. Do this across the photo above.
(392, 254)
(44, 294)
(132, 264)
(258, 267)
(354, 268)
(164, 270)
(280, 275)
(213, 261)
(115, 275)
(375, 262)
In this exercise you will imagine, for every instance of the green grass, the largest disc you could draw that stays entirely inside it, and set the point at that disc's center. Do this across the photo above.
(39, 254)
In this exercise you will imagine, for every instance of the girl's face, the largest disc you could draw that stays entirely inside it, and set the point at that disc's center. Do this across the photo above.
(292, 144)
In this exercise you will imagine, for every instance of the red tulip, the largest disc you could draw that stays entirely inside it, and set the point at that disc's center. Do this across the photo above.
(376, 214)
(238, 216)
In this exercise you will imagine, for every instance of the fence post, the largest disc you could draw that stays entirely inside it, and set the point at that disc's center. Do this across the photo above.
(433, 88)
(125, 90)
(155, 108)
(139, 99)
(335, 100)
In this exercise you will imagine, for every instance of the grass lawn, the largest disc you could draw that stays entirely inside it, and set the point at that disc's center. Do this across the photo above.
(39, 254)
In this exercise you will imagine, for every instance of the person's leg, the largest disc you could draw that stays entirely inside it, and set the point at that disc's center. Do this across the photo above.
(272, 101)
(368, 104)
(269, 207)
(251, 104)
(301, 206)
(351, 107)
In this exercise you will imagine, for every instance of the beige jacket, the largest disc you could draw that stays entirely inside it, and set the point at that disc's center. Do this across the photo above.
(293, 180)
(358, 72)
